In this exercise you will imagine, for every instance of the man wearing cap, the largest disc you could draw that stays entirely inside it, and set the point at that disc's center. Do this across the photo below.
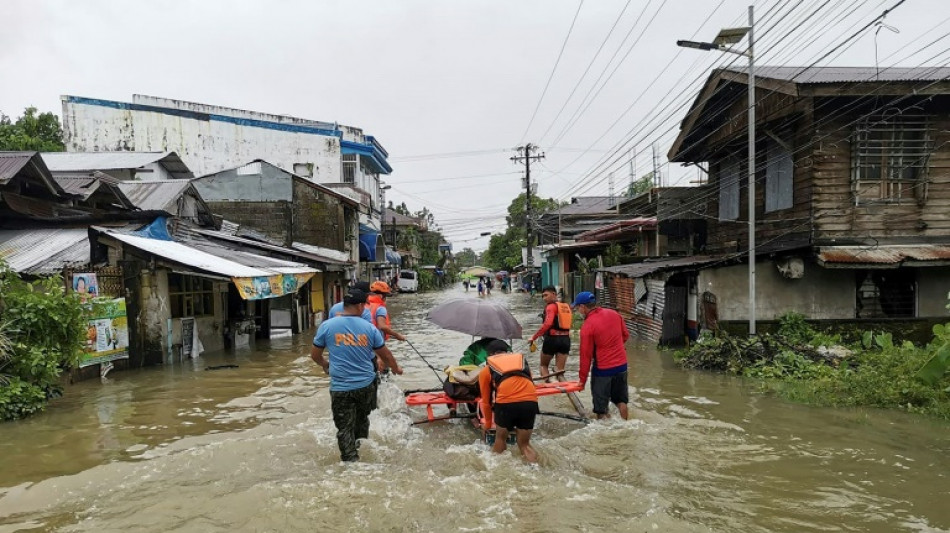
(602, 343)
(337, 308)
(352, 343)
(378, 313)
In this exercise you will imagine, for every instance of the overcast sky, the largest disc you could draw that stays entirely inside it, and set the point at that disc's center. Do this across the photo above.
(448, 87)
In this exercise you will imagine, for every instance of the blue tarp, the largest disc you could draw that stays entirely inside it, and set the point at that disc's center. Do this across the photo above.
(158, 229)
(393, 256)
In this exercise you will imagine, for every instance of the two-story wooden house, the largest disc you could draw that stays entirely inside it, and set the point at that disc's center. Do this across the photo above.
(852, 191)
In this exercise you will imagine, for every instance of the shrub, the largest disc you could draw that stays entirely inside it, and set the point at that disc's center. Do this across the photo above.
(43, 332)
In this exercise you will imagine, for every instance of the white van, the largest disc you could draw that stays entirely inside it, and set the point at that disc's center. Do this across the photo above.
(408, 281)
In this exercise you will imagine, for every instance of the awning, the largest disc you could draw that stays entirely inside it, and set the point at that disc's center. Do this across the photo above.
(375, 158)
(372, 248)
(883, 256)
(393, 257)
(256, 277)
(638, 270)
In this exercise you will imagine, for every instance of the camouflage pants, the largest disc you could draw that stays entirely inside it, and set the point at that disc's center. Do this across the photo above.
(351, 417)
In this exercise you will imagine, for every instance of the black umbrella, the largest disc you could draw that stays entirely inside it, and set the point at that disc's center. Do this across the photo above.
(476, 317)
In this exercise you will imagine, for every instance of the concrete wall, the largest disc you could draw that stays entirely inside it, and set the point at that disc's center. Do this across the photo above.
(821, 294)
(254, 182)
(207, 138)
(933, 284)
(318, 218)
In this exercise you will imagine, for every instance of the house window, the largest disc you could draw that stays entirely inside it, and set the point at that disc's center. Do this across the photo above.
(886, 293)
(779, 179)
(889, 158)
(190, 296)
(349, 168)
(729, 191)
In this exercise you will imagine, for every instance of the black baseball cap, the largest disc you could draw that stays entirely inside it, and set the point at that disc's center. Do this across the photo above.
(354, 296)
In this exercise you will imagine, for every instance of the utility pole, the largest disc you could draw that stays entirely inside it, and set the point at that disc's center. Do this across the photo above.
(524, 154)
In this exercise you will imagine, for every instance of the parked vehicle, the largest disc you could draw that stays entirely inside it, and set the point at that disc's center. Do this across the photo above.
(408, 281)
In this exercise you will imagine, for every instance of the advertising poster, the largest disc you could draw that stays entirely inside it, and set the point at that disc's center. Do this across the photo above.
(107, 331)
(270, 287)
(85, 285)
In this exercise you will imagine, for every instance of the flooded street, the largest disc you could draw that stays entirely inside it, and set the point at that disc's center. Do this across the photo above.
(253, 448)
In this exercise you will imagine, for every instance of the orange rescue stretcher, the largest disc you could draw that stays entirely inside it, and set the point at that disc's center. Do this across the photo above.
(430, 399)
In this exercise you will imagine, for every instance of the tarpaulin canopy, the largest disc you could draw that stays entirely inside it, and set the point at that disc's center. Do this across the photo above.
(372, 248)
(256, 277)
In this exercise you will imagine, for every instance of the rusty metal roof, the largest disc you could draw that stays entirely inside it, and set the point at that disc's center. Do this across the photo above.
(883, 256)
(649, 266)
(29, 164)
(44, 251)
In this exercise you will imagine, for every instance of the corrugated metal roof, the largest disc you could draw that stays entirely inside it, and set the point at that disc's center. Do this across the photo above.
(589, 205)
(847, 74)
(638, 270)
(44, 251)
(79, 161)
(158, 195)
(314, 253)
(11, 163)
(335, 255)
(213, 259)
(885, 256)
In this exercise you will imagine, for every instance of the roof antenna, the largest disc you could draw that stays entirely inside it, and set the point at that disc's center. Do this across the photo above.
(880, 24)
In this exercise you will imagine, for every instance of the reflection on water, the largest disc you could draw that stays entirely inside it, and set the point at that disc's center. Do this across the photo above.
(253, 448)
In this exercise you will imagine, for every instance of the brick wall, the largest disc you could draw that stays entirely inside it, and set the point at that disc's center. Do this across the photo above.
(270, 218)
(318, 217)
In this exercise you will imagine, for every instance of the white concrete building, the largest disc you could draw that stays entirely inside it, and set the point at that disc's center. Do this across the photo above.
(211, 138)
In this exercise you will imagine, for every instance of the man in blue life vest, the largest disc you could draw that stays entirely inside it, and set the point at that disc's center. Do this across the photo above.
(379, 290)
(556, 331)
(352, 343)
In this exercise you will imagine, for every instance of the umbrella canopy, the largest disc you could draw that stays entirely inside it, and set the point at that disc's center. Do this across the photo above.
(476, 317)
(476, 271)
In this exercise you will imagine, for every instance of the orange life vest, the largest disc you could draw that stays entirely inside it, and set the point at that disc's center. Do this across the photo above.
(565, 317)
(506, 365)
(375, 302)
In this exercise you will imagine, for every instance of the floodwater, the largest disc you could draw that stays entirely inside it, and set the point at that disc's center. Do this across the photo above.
(252, 448)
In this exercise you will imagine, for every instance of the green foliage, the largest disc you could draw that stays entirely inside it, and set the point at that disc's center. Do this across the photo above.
(504, 250)
(874, 372)
(41, 132)
(615, 254)
(45, 329)
(465, 258)
(640, 186)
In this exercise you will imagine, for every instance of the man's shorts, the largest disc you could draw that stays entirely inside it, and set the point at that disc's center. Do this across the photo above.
(555, 344)
(519, 415)
(608, 389)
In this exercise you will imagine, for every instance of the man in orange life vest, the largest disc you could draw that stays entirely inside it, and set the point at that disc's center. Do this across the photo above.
(510, 400)
(378, 312)
(556, 330)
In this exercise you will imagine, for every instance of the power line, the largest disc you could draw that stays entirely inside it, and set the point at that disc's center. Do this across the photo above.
(553, 70)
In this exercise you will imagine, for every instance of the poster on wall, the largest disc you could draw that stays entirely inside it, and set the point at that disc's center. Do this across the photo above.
(107, 331)
(85, 285)
(263, 287)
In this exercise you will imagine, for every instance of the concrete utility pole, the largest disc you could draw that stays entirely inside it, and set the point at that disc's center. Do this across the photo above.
(524, 154)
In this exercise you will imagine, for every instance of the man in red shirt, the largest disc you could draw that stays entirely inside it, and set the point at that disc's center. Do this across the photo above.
(557, 341)
(602, 343)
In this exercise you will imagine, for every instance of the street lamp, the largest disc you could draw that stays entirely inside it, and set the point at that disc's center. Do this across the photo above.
(722, 42)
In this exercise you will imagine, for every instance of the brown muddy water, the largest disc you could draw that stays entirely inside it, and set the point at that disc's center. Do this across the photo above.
(252, 448)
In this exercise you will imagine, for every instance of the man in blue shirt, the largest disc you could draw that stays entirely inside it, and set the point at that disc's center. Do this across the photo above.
(337, 308)
(352, 343)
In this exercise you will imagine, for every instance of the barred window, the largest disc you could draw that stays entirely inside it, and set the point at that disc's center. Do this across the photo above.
(190, 296)
(890, 158)
(729, 190)
(349, 168)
